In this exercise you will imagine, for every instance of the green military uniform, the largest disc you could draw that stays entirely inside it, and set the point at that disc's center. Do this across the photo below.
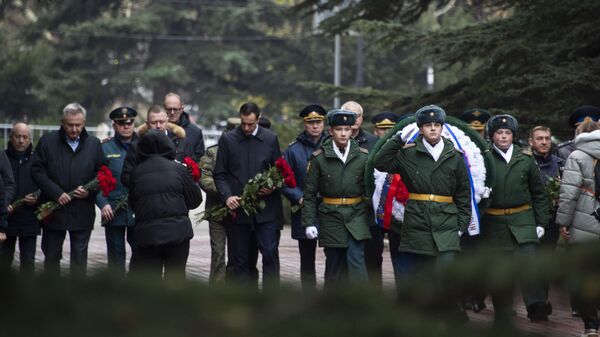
(207, 164)
(343, 215)
(518, 205)
(518, 190)
(329, 177)
(217, 230)
(429, 227)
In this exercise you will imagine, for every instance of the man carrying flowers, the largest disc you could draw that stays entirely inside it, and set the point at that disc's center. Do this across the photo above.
(117, 216)
(242, 154)
(336, 174)
(64, 161)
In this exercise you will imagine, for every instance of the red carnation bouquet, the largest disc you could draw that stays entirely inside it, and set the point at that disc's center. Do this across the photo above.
(276, 176)
(192, 167)
(104, 182)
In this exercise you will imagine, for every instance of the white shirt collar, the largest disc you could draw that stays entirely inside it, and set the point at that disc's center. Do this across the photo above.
(434, 150)
(255, 131)
(342, 156)
(506, 155)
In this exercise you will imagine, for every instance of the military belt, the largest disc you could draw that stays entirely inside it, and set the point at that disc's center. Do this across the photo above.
(342, 201)
(507, 211)
(430, 197)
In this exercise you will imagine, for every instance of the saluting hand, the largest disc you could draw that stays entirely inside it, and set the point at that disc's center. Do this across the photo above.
(81, 193)
(2, 237)
(64, 199)
(233, 202)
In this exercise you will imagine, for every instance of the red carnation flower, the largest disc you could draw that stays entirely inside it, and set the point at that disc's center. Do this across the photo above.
(106, 181)
(289, 179)
(192, 167)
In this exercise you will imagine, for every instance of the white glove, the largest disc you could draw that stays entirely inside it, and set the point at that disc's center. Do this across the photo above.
(539, 230)
(460, 233)
(311, 232)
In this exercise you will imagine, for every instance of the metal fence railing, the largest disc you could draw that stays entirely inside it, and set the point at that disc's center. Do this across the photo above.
(102, 131)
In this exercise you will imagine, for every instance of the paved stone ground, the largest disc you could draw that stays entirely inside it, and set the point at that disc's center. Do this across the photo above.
(561, 323)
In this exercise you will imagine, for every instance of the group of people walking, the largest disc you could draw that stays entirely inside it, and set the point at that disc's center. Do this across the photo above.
(149, 209)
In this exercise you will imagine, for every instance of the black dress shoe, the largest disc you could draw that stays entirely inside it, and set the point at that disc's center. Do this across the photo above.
(538, 312)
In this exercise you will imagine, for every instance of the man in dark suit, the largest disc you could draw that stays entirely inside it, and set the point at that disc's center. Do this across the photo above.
(244, 152)
(64, 161)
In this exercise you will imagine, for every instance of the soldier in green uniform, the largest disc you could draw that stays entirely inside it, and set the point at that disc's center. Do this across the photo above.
(216, 230)
(118, 224)
(517, 214)
(438, 210)
(336, 174)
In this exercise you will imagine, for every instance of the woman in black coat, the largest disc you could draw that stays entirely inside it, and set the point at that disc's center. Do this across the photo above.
(161, 193)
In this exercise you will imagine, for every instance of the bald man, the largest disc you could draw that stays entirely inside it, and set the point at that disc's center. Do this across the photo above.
(193, 134)
(365, 139)
(22, 223)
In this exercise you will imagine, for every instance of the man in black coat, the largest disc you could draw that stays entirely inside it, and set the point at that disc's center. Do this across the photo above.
(161, 194)
(244, 152)
(64, 161)
(193, 134)
(8, 181)
(22, 223)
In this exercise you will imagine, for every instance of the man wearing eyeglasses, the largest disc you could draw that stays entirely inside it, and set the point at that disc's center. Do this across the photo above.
(174, 108)
(118, 221)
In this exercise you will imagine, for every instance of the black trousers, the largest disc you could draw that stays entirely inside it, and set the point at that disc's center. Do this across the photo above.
(308, 273)
(115, 246)
(152, 260)
(52, 246)
(241, 254)
(26, 252)
(374, 256)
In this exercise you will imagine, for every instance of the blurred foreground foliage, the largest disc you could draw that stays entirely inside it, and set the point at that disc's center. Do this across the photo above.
(103, 305)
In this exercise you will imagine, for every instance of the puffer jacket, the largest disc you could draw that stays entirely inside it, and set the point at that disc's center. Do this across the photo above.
(577, 200)
(161, 193)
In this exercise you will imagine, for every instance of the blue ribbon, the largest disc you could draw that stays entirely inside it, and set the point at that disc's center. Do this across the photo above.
(473, 202)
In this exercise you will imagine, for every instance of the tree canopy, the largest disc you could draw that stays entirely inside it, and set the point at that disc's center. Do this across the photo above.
(538, 60)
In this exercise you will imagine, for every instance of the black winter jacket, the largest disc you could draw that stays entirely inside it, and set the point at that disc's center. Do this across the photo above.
(22, 221)
(57, 169)
(161, 193)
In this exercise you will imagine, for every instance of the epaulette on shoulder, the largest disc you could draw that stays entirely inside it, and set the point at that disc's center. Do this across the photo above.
(527, 152)
(317, 153)
(105, 140)
(459, 151)
(409, 145)
(363, 150)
